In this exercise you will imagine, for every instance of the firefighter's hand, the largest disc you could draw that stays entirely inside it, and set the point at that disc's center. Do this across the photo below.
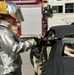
(42, 41)
(39, 41)
(35, 41)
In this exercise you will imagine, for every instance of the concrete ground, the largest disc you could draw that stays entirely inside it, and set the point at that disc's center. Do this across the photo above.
(27, 68)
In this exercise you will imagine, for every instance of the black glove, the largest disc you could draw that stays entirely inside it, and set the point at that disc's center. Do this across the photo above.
(39, 41)
(42, 41)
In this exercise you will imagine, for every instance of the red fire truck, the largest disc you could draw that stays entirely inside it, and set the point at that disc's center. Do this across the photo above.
(32, 11)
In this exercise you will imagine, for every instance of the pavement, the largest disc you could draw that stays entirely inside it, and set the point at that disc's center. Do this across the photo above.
(27, 68)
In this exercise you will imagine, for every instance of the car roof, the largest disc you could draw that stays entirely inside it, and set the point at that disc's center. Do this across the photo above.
(63, 31)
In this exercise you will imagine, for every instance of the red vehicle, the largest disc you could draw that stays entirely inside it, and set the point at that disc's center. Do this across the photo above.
(32, 11)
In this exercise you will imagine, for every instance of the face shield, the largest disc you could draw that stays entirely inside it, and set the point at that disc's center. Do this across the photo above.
(10, 8)
(14, 11)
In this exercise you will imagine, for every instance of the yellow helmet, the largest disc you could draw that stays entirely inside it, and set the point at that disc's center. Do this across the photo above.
(10, 8)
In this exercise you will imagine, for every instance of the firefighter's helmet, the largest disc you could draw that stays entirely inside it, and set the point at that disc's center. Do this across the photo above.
(10, 8)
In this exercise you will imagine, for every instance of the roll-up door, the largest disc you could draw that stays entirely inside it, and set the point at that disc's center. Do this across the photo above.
(32, 24)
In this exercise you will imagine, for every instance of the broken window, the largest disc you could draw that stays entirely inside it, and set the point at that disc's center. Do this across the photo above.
(68, 48)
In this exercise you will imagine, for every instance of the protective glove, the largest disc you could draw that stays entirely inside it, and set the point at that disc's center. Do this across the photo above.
(35, 41)
(38, 41)
(42, 41)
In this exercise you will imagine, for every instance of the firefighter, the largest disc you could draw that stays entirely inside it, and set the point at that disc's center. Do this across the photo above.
(10, 44)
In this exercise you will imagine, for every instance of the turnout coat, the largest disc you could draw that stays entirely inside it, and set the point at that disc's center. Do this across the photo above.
(10, 49)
